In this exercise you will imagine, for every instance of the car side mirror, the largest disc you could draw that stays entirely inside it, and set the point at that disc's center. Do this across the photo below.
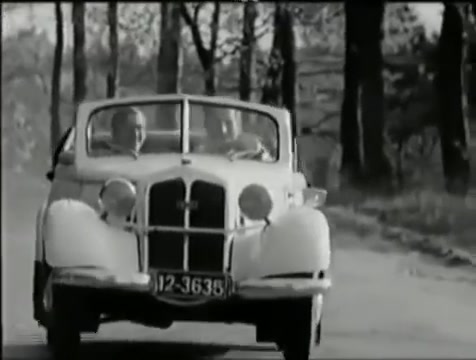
(314, 197)
(66, 158)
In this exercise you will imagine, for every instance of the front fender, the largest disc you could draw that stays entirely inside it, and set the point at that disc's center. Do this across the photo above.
(75, 236)
(296, 242)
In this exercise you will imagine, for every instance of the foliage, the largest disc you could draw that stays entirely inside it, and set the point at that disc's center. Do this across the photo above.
(321, 26)
(27, 62)
(137, 23)
(409, 62)
(439, 217)
(403, 30)
(411, 128)
(31, 60)
(25, 135)
(429, 213)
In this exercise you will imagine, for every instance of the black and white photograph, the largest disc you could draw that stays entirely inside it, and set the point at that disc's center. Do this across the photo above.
(238, 180)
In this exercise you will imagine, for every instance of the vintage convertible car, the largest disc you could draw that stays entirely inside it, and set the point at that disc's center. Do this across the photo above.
(182, 231)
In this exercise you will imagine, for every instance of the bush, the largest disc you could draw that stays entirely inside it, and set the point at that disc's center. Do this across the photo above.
(425, 211)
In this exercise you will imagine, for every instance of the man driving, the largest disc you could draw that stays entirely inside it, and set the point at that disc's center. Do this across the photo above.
(218, 123)
(225, 136)
(128, 131)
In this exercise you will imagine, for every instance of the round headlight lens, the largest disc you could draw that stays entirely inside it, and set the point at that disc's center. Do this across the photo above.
(255, 202)
(118, 197)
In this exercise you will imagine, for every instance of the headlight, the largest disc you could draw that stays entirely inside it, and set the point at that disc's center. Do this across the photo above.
(117, 197)
(255, 202)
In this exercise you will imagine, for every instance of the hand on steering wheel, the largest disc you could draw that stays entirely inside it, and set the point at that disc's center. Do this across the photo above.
(120, 149)
(245, 154)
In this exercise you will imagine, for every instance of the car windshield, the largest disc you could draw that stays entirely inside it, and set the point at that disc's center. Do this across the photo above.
(136, 129)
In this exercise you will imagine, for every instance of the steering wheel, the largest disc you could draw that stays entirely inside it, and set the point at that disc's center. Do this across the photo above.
(253, 154)
(105, 145)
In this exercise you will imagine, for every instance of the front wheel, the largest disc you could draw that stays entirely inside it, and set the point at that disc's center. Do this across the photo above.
(301, 329)
(63, 341)
(62, 332)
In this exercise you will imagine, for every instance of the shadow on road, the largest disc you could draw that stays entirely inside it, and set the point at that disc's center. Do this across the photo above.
(144, 350)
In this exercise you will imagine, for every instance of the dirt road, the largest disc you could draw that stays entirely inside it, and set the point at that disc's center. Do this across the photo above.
(385, 303)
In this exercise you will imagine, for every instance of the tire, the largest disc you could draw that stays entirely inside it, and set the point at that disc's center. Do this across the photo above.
(40, 278)
(62, 332)
(318, 333)
(300, 330)
(63, 342)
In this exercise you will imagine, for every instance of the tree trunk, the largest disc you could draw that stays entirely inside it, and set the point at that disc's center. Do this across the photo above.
(472, 76)
(453, 125)
(169, 61)
(55, 126)
(206, 56)
(248, 45)
(472, 62)
(272, 87)
(113, 75)
(79, 55)
(289, 76)
(376, 166)
(350, 127)
(209, 66)
(210, 80)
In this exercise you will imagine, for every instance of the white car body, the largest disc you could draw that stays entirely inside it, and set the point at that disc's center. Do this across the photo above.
(83, 251)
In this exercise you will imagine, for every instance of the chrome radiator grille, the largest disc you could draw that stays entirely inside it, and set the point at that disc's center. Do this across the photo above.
(203, 206)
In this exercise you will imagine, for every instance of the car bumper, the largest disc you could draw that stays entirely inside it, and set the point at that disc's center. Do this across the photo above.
(262, 288)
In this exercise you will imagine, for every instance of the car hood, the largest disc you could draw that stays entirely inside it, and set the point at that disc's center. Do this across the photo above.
(237, 171)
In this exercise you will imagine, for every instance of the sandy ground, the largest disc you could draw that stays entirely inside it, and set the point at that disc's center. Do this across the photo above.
(385, 303)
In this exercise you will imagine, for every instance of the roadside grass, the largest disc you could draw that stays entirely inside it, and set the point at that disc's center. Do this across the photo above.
(430, 213)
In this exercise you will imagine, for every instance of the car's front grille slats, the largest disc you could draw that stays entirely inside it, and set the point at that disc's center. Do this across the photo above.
(206, 252)
(211, 205)
(205, 209)
(163, 199)
(166, 248)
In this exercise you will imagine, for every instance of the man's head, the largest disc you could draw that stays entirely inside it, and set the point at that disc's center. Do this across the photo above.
(128, 128)
(222, 123)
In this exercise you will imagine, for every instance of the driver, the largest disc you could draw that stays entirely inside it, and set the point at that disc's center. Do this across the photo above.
(128, 131)
(225, 136)
(216, 123)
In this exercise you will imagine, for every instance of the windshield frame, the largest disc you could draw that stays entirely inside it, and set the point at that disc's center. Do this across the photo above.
(184, 103)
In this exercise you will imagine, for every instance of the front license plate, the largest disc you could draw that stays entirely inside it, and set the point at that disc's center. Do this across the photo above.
(192, 285)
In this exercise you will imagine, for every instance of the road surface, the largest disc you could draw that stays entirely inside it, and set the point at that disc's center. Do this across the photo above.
(385, 303)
